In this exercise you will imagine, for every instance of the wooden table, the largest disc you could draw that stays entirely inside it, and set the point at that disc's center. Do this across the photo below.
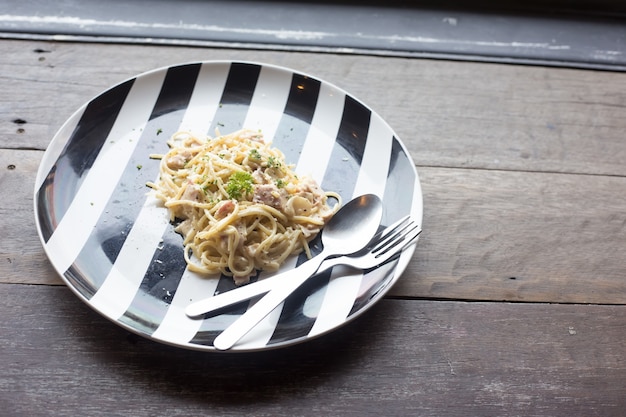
(513, 304)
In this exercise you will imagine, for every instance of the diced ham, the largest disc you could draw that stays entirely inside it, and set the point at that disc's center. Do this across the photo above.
(258, 177)
(268, 194)
(226, 207)
(251, 250)
(184, 227)
(310, 188)
(241, 280)
(191, 193)
(179, 160)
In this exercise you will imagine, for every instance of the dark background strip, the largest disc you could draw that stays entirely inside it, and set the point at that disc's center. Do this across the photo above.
(575, 33)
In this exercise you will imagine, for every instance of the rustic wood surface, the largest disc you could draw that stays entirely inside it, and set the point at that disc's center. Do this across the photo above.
(403, 358)
(523, 171)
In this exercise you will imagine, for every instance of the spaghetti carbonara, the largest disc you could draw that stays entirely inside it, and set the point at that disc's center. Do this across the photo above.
(240, 207)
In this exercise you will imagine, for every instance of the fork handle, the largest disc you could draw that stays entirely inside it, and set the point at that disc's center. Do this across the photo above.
(253, 316)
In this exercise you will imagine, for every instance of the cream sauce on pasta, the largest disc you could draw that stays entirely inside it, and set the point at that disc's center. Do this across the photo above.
(240, 207)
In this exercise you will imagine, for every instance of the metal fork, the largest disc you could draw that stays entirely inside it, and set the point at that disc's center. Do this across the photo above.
(384, 247)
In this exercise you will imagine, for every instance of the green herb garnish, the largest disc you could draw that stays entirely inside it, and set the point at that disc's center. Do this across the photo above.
(239, 184)
(255, 154)
(273, 162)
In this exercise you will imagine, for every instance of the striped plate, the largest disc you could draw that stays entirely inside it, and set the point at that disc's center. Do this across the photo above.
(112, 243)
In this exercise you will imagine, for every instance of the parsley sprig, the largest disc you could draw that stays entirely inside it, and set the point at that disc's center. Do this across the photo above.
(239, 184)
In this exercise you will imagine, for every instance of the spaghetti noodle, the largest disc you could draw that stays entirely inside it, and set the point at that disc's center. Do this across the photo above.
(240, 207)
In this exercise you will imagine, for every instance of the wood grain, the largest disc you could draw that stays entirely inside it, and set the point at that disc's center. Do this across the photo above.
(450, 114)
(404, 357)
(22, 259)
(519, 236)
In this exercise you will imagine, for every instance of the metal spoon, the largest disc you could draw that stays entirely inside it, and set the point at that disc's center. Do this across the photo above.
(349, 230)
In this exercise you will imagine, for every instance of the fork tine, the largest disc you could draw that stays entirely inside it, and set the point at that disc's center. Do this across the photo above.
(383, 234)
(406, 240)
(411, 238)
(386, 234)
(396, 239)
(391, 234)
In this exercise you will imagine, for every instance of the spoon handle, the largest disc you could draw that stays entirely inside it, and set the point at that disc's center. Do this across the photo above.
(240, 327)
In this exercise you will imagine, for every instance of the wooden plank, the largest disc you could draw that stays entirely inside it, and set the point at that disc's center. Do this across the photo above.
(488, 235)
(426, 358)
(22, 258)
(519, 236)
(450, 114)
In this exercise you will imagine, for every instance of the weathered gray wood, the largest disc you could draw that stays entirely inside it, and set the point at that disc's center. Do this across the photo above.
(403, 357)
(520, 236)
(22, 258)
(451, 114)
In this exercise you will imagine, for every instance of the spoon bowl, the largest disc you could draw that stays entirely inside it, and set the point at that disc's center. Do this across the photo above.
(352, 227)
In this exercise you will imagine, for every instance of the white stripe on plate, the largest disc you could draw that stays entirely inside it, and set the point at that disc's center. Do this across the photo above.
(417, 207)
(338, 299)
(205, 99)
(260, 335)
(268, 102)
(55, 148)
(176, 327)
(120, 286)
(343, 288)
(375, 165)
(416, 213)
(90, 200)
(313, 161)
(322, 134)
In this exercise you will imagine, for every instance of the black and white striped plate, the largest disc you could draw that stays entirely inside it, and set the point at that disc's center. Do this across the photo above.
(112, 243)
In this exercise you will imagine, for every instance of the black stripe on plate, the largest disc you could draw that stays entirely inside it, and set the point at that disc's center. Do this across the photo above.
(289, 138)
(78, 156)
(400, 185)
(301, 309)
(236, 97)
(158, 286)
(347, 155)
(176, 91)
(341, 176)
(215, 322)
(372, 283)
(99, 253)
(206, 337)
(294, 126)
(398, 200)
(231, 114)
(296, 120)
